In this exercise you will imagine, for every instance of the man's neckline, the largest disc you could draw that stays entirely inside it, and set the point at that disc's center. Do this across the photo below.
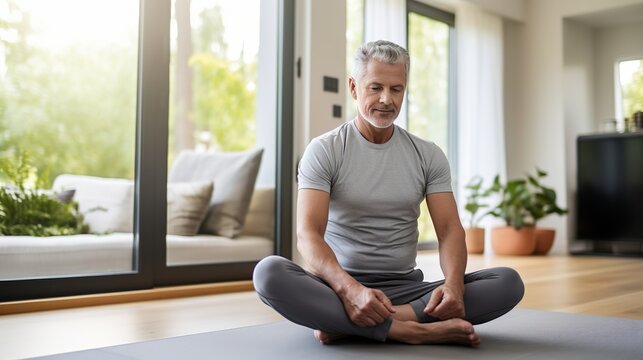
(362, 132)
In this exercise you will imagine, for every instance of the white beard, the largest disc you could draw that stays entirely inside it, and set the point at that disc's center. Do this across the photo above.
(380, 126)
(376, 125)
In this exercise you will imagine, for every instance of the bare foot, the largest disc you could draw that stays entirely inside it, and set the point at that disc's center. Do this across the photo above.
(327, 338)
(452, 331)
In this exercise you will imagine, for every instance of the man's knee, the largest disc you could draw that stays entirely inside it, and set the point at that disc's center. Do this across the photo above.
(269, 274)
(512, 284)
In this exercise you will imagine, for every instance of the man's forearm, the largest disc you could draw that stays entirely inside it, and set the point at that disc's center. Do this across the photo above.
(453, 251)
(322, 262)
(453, 259)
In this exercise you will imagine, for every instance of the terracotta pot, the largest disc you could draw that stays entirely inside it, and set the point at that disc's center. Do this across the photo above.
(544, 240)
(475, 240)
(509, 241)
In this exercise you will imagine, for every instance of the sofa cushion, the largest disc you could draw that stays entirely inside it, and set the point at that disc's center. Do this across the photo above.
(187, 205)
(260, 220)
(105, 203)
(234, 175)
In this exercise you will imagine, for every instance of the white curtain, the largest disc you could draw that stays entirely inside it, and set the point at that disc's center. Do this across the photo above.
(481, 138)
(386, 20)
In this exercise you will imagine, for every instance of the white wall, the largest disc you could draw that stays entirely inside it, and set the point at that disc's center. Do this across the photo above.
(537, 136)
(579, 84)
(509, 9)
(320, 38)
(613, 44)
(513, 93)
(323, 53)
(540, 136)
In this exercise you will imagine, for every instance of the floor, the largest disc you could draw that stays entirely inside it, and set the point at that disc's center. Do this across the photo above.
(593, 285)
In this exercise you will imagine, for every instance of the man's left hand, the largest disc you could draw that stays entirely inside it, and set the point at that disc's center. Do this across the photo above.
(446, 303)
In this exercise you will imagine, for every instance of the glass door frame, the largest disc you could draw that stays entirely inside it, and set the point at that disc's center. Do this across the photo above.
(151, 173)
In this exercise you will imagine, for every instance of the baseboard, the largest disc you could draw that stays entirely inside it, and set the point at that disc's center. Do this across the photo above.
(170, 292)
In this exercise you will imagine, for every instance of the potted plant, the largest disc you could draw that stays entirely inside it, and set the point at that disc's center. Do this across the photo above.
(544, 205)
(474, 235)
(515, 208)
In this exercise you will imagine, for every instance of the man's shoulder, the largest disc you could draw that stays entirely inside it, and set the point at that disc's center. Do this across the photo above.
(417, 142)
(333, 138)
(322, 159)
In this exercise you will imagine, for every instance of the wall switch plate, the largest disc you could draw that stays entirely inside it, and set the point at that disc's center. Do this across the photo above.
(331, 84)
(337, 111)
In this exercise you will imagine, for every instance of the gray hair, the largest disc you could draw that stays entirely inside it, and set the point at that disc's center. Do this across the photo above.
(382, 51)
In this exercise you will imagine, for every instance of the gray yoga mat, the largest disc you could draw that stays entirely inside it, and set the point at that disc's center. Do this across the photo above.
(521, 334)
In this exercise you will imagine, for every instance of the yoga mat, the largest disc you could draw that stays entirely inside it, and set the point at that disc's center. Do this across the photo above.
(520, 334)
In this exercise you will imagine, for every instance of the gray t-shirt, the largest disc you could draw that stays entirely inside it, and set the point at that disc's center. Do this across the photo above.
(375, 195)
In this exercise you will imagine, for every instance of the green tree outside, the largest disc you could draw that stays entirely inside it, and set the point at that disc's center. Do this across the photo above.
(223, 112)
(224, 105)
(428, 79)
(427, 96)
(633, 92)
(74, 110)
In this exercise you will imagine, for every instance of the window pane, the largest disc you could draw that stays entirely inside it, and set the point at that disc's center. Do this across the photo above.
(428, 90)
(631, 80)
(354, 38)
(67, 128)
(222, 131)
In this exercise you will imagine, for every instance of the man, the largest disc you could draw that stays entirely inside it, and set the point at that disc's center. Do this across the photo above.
(360, 190)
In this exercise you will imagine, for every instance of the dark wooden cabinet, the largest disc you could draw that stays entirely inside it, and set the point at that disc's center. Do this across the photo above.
(609, 197)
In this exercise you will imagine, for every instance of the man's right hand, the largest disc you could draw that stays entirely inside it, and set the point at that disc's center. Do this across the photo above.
(366, 307)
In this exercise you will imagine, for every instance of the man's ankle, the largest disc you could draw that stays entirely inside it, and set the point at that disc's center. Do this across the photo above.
(404, 313)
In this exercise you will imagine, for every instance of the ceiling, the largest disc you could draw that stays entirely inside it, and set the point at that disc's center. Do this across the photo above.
(612, 17)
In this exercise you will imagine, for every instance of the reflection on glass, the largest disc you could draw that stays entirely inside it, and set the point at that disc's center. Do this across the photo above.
(222, 134)
(67, 137)
(428, 97)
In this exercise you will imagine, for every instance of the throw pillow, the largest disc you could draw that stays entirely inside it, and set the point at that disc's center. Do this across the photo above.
(105, 203)
(187, 205)
(235, 175)
(64, 196)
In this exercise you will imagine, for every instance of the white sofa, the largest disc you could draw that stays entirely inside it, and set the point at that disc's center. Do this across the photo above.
(28, 257)
(215, 214)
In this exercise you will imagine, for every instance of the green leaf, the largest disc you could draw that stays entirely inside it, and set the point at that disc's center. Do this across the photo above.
(533, 181)
(550, 195)
(471, 207)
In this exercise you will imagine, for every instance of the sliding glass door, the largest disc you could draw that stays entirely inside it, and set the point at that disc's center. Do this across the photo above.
(98, 103)
(222, 132)
(68, 130)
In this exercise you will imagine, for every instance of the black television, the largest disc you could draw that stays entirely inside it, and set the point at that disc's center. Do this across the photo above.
(610, 187)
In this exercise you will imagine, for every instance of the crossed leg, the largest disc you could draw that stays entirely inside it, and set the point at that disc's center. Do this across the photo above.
(306, 300)
(405, 328)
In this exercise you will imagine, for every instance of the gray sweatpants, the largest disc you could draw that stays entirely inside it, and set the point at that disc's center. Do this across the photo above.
(305, 299)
